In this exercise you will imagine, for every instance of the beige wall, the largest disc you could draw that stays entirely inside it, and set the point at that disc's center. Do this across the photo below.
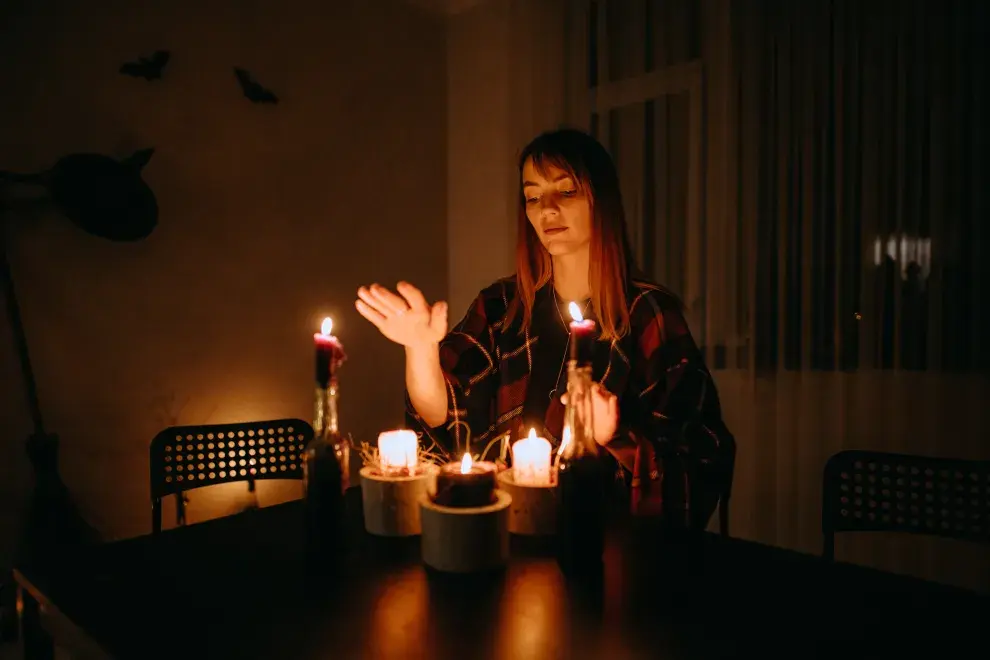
(505, 64)
(380, 163)
(270, 218)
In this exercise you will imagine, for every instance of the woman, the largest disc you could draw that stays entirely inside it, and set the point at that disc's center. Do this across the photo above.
(502, 368)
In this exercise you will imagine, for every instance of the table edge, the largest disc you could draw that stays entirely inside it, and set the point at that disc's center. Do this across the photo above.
(66, 629)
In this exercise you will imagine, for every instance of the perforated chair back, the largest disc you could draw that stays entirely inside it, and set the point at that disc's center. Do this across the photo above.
(878, 491)
(188, 457)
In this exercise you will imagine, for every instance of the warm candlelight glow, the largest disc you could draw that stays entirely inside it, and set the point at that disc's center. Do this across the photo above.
(466, 464)
(564, 440)
(398, 450)
(327, 327)
(575, 311)
(533, 611)
(531, 460)
(400, 615)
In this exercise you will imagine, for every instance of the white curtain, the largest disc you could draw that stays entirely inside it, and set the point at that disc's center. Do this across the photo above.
(811, 177)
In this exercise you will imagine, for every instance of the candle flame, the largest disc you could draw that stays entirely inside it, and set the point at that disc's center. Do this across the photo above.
(466, 464)
(327, 326)
(564, 440)
(532, 433)
(575, 311)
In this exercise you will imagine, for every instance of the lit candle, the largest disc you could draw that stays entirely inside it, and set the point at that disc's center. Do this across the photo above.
(582, 336)
(398, 451)
(466, 483)
(329, 353)
(531, 460)
(565, 439)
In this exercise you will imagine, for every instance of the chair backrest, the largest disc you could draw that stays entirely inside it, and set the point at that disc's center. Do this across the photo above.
(187, 457)
(730, 471)
(879, 491)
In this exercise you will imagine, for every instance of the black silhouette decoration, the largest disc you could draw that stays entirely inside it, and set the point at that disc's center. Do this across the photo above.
(149, 68)
(105, 197)
(101, 195)
(253, 91)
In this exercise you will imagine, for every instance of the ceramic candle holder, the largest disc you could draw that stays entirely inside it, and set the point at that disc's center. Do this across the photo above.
(391, 502)
(533, 511)
(465, 539)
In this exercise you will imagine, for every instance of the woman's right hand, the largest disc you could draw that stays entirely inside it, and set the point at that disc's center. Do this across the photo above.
(408, 320)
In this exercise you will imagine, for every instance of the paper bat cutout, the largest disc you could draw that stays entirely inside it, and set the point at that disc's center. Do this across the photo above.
(149, 68)
(253, 91)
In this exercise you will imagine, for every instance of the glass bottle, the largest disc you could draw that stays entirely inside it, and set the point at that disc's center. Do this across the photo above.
(326, 425)
(582, 479)
(325, 477)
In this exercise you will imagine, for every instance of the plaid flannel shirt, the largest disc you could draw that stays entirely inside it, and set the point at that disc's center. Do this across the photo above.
(669, 408)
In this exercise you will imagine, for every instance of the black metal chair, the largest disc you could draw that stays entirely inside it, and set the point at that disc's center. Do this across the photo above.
(866, 491)
(188, 457)
(716, 479)
(723, 500)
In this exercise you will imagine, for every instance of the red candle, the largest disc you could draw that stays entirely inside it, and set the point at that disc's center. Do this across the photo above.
(582, 336)
(329, 353)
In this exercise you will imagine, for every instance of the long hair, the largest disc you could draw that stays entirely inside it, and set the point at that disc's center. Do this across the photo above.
(593, 171)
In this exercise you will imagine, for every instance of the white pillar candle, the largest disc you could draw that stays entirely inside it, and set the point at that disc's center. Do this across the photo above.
(531, 460)
(397, 450)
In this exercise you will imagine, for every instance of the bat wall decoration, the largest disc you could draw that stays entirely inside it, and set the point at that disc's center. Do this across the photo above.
(152, 68)
(149, 68)
(252, 90)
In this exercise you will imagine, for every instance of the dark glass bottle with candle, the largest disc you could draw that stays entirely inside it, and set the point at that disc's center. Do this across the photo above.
(325, 476)
(582, 479)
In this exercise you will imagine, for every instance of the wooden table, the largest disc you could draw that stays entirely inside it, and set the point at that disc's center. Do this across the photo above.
(236, 588)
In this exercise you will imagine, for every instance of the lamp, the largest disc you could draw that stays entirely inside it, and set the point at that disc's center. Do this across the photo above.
(107, 198)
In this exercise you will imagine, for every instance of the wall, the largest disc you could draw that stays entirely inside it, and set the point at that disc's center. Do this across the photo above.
(505, 63)
(271, 216)
(787, 423)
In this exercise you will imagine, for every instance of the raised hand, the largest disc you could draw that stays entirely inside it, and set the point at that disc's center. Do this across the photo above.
(406, 319)
(605, 413)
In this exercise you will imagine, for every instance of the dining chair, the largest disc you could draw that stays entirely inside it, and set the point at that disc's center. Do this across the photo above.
(726, 494)
(188, 457)
(864, 491)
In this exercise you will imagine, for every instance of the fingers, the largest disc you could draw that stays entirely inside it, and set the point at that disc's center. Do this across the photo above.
(613, 407)
(382, 300)
(600, 391)
(602, 394)
(438, 316)
(369, 301)
(395, 304)
(370, 313)
(414, 297)
(392, 303)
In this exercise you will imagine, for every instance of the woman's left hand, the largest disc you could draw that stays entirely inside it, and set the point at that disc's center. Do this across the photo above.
(605, 413)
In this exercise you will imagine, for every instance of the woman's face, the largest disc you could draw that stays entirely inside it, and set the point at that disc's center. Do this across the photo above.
(558, 210)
